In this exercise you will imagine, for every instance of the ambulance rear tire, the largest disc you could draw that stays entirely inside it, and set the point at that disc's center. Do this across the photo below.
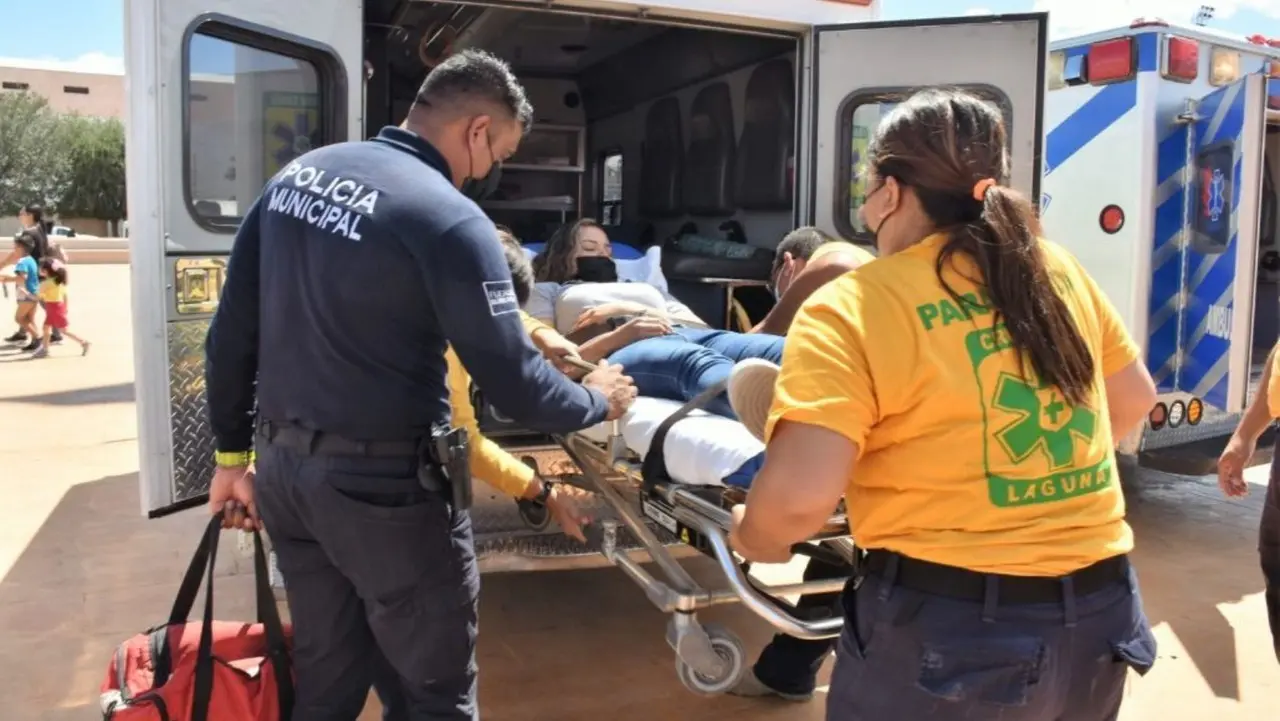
(729, 648)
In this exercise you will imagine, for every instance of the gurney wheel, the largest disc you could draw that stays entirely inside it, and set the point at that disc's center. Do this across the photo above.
(728, 647)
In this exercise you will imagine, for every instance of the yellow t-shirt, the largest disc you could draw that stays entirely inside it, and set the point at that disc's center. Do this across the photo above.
(51, 292)
(859, 252)
(961, 461)
(489, 462)
(1273, 385)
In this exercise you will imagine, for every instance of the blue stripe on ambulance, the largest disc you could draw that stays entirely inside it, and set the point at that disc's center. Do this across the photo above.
(1210, 276)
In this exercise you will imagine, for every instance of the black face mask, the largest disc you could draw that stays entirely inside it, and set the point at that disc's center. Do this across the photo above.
(480, 188)
(597, 269)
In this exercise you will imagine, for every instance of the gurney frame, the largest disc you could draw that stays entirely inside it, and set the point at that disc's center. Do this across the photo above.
(710, 659)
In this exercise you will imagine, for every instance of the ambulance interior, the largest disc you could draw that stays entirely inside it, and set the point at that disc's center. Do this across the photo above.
(653, 130)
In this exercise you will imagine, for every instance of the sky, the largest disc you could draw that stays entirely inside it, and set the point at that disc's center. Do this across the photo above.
(89, 34)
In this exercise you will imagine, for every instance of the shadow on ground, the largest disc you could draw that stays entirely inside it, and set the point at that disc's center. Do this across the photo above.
(1191, 547)
(116, 393)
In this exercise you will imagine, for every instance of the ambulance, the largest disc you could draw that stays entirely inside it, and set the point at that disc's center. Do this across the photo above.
(1158, 174)
(648, 116)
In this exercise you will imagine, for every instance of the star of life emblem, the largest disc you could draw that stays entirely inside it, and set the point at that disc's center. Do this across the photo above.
(1213, 195)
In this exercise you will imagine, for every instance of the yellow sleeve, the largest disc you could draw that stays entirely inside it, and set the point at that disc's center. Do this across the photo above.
(826, 377)
(532, 324)
(489, 463)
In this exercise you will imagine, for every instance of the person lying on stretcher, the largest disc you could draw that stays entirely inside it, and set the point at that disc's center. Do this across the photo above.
(669, 351)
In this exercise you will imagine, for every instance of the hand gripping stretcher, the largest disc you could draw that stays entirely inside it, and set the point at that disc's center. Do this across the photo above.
(645, 469)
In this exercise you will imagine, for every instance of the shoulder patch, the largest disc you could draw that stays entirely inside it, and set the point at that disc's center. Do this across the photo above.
(502, 297)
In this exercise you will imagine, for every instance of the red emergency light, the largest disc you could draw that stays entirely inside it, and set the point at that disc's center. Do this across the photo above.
(1112, 61)
(1182, 59)
(1148, 23)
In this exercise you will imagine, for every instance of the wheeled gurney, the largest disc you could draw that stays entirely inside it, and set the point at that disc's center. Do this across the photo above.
(658, 471)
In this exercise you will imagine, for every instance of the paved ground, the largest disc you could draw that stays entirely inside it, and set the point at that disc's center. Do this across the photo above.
(80, 569)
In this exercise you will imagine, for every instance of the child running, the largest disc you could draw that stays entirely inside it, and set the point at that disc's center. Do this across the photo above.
(53, 294)
(26, 279)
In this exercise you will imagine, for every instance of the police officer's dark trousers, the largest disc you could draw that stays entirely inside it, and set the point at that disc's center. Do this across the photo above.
(1269, 548)
(381, 579)
(936, 643)
(788, 664)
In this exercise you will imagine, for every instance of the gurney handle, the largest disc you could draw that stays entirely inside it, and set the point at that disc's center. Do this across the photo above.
(578, 362)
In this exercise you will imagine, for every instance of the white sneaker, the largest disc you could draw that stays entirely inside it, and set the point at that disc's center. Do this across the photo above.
(751, 392)
(41, 352)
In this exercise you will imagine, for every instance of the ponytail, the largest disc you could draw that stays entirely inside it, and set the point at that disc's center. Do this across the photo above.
(1024, 295)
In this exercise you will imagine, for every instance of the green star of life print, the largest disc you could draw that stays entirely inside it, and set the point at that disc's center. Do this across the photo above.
(1037, 447)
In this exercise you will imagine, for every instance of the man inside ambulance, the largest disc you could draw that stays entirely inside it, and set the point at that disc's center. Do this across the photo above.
(806, 260)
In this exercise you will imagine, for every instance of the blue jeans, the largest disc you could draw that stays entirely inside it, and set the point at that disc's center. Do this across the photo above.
(680, 366)
(911, 655)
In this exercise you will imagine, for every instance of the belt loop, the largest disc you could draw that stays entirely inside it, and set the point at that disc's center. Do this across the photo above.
(313, 440)
(1069, 600)
(268, 430)
(990, 598)
(890, 576)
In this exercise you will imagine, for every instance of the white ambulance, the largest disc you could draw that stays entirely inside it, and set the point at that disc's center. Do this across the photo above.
(1158, 160)
(648, 115)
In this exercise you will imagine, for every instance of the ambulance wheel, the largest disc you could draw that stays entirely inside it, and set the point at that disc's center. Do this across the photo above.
(729, 648)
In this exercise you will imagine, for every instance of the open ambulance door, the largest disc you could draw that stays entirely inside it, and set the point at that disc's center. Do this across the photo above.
(217, 103)
(1224, 197)
(861, 71)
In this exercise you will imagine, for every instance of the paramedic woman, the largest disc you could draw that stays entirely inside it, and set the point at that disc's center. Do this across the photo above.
(962, 393)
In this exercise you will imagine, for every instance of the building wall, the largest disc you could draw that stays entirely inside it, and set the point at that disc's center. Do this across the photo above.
(100, 95)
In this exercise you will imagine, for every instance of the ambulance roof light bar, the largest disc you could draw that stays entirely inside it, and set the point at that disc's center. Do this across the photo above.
(1145, 22)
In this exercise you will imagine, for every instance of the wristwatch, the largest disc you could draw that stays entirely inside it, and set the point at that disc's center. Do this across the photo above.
(541, 499)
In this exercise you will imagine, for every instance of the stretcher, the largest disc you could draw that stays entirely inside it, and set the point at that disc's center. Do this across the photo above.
(658, 470)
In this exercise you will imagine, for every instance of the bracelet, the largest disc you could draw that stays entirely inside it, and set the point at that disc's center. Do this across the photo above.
(233, 459)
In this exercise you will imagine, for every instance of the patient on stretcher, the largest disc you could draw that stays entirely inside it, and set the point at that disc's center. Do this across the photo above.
(659, 341)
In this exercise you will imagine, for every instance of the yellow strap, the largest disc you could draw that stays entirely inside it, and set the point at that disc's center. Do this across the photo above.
(233, 459)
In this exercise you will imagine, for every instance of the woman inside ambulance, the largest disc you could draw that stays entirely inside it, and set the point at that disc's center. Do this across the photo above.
(963, 394)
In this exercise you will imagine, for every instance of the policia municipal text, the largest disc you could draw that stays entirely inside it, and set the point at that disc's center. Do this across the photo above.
(962, 393)
(347, 278)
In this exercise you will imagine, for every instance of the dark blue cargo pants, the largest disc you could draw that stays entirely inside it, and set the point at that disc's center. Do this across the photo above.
(1269, 548)
(911, 655)
(382, 585)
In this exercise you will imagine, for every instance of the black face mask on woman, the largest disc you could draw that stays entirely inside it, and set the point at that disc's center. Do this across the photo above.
(597, 269)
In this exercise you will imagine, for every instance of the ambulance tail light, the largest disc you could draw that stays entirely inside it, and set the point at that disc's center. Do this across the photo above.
(1181, 59)
(1112, 61)
(1111, 219)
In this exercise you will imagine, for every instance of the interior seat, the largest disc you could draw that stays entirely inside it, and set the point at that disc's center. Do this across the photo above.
(709, 176)
(662, 161)
(765, 156)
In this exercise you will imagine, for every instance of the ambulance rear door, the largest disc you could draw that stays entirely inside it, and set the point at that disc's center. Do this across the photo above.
(860, 71)
(1221, 249)
(221, 94)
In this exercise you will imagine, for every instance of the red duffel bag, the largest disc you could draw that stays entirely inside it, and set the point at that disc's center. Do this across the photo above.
(210, 670)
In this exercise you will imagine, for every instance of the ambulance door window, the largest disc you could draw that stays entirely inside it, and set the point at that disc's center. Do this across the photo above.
(860, 115)
(252, 104)
(1211, 221)
(611, 187)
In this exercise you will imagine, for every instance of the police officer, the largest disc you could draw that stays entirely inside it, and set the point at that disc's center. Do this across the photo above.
(348, 276)
(963, 393)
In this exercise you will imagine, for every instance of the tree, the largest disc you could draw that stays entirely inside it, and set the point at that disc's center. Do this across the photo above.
(94, 182)
(32, 165)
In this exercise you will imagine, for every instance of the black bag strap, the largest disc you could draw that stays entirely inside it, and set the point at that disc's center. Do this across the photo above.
(268, 616)
(654, 466)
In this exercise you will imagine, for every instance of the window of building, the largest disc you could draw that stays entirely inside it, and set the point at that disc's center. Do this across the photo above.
(611, 187)
(860, 115)
(253, 104)
(10, 85)
(75, 89)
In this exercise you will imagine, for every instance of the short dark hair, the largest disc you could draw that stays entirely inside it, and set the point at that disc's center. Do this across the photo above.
(518, 262)
(800, 243)
(478, 76)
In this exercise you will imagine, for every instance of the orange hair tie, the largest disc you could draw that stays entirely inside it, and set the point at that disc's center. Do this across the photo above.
(981, 187)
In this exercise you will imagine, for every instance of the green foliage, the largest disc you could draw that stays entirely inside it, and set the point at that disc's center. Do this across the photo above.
(71, 164)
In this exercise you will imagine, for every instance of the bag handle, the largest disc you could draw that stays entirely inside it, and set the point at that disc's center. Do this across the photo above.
(268, 616)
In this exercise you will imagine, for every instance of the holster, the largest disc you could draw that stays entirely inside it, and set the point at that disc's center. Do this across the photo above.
(448, 449)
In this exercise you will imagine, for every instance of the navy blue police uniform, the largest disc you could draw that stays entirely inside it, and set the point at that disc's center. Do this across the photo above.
(348, 277)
